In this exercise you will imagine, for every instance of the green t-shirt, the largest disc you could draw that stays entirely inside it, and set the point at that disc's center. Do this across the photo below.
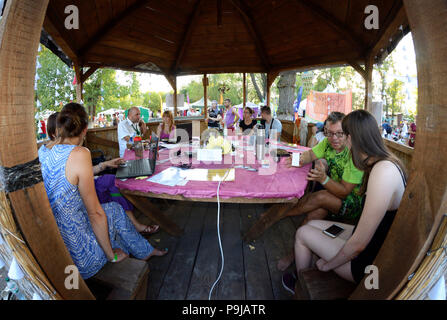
(340, 164)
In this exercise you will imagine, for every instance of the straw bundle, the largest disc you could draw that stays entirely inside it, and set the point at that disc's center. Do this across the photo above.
(35, 280)
(431, 269)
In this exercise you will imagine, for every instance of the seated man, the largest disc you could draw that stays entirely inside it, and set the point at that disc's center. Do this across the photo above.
(271, 124)
(129, 128)
(339, 198)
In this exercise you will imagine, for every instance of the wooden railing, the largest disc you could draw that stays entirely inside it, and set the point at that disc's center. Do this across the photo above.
(403, 152)
(106, 139)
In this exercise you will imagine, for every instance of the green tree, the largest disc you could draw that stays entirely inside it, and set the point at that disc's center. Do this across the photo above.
(151, 100)
(383, 69)
(395, 96)
(54, 82)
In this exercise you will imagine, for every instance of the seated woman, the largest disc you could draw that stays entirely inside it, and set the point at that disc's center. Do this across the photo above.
(247, 124)
(383, 183)
(93, 233)
(166, 129)
(104, 184)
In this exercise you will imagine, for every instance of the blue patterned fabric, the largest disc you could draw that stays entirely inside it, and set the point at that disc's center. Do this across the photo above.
(72, 218)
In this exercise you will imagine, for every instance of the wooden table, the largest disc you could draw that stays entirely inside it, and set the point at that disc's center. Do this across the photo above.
(139, 193)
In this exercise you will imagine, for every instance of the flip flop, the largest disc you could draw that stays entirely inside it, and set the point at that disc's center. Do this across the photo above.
(150, 230)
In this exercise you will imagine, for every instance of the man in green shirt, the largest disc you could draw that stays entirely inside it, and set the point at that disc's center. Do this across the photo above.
(336, 173)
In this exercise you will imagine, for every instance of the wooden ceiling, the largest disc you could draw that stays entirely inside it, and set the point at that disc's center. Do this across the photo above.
(180, 37)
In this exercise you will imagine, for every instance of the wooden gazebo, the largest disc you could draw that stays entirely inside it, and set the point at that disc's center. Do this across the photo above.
(185, 37)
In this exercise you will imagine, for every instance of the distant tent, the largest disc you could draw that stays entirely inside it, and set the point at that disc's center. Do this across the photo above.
(200, 103)
(112, 111)
(145, 113)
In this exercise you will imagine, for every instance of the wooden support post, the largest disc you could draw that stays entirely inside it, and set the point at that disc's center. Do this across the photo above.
(174, 80)
(79, 83)
(271, 76)
(245, 89)
(205, 97)
(20, 30)
(369, 63)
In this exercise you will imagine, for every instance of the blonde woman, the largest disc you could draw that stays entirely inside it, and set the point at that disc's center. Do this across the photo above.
(166, 129)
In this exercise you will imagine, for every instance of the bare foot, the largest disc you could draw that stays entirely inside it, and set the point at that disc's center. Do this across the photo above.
(285, 262)
(157, 253)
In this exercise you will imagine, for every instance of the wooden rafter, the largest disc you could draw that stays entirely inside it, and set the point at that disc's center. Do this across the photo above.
(358, 68)
(337, 25)
(187, 35)
(110, 26)
(219, 13)
(249, 24)
(88, 73)
(51, 28)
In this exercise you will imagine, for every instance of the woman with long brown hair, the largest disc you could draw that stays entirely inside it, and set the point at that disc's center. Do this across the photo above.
(93, 233)
(166, 129)
(383, 183)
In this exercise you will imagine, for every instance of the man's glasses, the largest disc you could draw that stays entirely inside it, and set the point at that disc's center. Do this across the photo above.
(333, 134)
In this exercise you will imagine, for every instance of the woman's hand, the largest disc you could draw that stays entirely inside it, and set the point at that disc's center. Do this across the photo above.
(317, 174)
(322, 265)
(114, 163)
(120, 254)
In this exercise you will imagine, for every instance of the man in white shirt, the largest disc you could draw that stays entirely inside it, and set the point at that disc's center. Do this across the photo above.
(131, 127)
(271, 124)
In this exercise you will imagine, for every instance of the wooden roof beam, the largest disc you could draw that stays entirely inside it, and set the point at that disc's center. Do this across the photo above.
(187, 35)
(89, 72)
(337, 25)
(56, 35)
(110, 26)
(358, 68)
(249, 24)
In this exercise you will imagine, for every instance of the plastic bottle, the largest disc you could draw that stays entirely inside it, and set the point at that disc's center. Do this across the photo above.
(14, 288)
(225, 132)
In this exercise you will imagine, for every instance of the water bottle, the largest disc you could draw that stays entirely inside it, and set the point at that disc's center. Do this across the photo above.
(225, 132)
(14, 288)
(260, 143)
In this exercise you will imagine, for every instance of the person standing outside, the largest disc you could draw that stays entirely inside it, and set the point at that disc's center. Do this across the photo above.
(129, 128)
(214, 116)
(231, 116)
(412, 133)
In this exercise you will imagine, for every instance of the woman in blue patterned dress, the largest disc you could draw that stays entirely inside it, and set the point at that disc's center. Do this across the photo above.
(93, 233)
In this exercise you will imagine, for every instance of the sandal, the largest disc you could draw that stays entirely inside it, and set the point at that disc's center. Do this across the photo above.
(150, 230)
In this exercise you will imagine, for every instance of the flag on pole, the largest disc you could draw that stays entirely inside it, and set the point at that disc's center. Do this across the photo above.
(161, 104)
(297, 102)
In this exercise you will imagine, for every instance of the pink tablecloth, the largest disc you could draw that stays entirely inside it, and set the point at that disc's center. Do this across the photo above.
(277, 181)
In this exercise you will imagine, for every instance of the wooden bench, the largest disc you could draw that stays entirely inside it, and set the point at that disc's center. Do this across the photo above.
(125, 280)
(313, 284)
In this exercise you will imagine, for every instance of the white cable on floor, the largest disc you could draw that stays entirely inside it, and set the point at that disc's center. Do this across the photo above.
(218, 236)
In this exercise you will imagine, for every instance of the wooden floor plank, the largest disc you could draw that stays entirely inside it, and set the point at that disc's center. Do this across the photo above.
(258, 284)
(207, 261)
(176, 281)
(158, 266)
(275, 250)
(232, 284)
